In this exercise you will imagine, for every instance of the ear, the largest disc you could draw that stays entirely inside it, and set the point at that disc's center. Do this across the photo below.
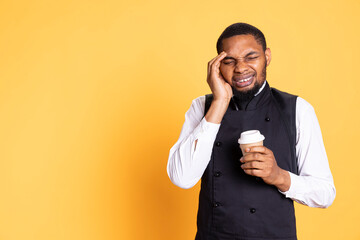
(268, 56)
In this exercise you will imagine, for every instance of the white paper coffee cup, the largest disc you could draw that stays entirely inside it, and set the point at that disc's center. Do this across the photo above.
(250, 138)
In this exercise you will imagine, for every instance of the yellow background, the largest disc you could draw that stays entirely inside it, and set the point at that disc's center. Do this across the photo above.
(93, 95)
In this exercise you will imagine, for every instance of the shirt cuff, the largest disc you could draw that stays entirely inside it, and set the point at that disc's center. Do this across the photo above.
(289, 192)
(295, 185)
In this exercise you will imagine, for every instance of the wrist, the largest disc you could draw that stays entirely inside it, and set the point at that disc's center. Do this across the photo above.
(283, 181)
(217, 110)
(221, 102)
(222, 98)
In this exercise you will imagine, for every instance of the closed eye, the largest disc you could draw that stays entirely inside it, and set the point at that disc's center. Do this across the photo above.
(228, 62)
(252, 58)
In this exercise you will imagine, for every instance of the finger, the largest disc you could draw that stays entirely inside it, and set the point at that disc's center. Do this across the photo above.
(213, 60)
(252, 157)
(218, 59)
(252, 165)
(220, 55)
(210, 63)
(259, 149)
(253, 172)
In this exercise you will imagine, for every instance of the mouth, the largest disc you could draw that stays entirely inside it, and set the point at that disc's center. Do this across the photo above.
(244, 81)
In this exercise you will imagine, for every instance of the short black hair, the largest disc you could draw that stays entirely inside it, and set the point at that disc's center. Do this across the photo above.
(241, 29)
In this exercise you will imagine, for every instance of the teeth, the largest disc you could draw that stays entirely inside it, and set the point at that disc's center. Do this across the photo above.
(246, 79)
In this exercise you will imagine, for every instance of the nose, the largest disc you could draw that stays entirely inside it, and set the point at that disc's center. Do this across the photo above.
(240, 66)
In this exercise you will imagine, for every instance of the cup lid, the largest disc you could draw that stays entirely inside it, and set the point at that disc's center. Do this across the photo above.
(250, 136)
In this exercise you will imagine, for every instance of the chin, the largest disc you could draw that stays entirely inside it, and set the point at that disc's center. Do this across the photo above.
(245, 89)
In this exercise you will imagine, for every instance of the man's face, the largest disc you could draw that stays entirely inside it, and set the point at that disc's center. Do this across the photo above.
(245, 63)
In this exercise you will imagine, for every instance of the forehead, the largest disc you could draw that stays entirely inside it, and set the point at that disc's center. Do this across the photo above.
(241, 44)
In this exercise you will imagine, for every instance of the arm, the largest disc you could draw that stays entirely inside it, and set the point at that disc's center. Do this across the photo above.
(314, 186)
(221, 90)
(191, 154)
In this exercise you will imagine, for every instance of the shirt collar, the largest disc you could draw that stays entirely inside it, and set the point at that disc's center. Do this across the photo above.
(262, 87)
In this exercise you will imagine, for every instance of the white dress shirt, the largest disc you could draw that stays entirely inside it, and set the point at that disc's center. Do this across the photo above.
(314, 186)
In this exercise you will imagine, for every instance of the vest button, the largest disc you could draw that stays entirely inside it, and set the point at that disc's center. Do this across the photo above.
(217, 174)
(267, 119)
(252, 210)
(218, 144)
(216, 205)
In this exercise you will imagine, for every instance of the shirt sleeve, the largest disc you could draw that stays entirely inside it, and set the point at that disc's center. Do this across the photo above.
(314, 186)
(191, 154)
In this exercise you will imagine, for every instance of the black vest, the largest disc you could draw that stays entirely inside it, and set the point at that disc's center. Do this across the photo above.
(234, 205)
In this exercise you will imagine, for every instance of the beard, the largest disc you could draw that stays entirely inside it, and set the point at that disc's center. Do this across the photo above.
(245, 96)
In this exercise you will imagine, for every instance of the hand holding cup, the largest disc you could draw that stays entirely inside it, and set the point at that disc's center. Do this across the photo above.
(260, 161)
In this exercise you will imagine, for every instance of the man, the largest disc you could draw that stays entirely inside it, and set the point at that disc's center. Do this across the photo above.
(249, 197)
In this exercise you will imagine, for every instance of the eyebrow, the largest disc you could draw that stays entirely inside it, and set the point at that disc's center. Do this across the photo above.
(248, 54)
(231, 58)
(251, 53)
